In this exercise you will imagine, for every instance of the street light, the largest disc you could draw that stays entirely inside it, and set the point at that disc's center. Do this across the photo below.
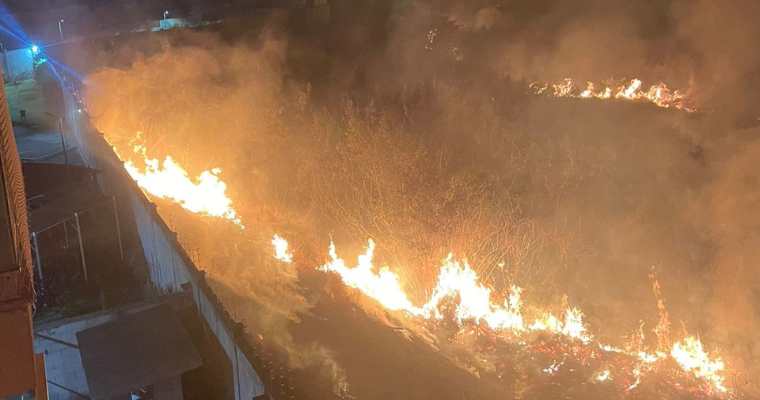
(35, 49)
(166, 13)
(60, 28)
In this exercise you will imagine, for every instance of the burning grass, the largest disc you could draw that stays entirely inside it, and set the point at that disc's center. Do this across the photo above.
(573, 200)
(562, 337)
(659, 94)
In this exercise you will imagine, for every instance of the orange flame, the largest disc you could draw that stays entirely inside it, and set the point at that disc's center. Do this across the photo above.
(383, 286)
(691, 356)
(633, 90)
(281, 251)
(603, 376)
(662, 330)
(457, 280)
(206, 194)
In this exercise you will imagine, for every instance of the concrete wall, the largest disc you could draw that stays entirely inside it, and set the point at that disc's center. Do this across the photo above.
(76, 128)
(63, 362)
(170, 268)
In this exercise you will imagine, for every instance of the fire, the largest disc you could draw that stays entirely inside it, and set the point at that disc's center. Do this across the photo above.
(167, 179)
(662, 330)
(382, 286)
(572, 326)
(553, 369)
(691, 356)
(634, 90)
(281, 251)
(637, 375)
(458, 281)
(603, 376)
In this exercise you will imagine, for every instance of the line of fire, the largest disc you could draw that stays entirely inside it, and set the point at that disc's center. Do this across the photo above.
(374, 199)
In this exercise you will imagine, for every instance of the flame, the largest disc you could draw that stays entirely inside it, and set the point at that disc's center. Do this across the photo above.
(206, 194)
(649, 358)
(637, 375)
(662, 330)
(458, 281)
(382, 286)
(281, 251)
(553, 369)
(691, 356)
(603, 376)
(572, 326)
(659, 94)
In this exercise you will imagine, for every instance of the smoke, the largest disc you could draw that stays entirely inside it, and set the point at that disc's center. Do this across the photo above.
(409, 122)
(734, 211)
(718, 33)
(703, 46)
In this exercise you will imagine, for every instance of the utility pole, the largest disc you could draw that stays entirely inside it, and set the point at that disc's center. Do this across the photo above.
(64, 150)
(81, 245)
(63, 147)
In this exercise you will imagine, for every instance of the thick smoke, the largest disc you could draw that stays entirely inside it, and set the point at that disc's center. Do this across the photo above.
(734, 219)
(409, 123)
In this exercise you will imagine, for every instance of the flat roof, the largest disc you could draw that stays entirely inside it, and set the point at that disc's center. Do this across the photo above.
(135, 351)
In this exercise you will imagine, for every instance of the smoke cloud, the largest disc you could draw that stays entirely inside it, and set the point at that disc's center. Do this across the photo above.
(410, 123)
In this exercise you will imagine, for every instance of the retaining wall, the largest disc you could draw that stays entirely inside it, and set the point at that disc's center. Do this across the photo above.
(170, 269)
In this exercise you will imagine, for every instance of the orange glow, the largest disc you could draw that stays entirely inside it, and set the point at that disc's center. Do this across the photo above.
(458, 281)
(383, 285)
(634, 90)
(691, 356)
(603, 376)
(281, 251)
(205, 194)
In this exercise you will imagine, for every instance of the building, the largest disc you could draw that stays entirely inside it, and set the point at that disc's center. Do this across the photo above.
(22, 373)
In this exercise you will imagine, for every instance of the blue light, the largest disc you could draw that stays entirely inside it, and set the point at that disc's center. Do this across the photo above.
(35, 49)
